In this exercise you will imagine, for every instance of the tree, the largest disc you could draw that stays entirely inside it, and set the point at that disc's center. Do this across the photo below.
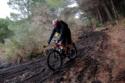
(4, 31)
(23, 8)
(55, 3)
(103, 10)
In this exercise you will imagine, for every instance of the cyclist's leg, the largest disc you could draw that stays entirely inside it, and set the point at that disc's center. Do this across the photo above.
(64, 45)
(69, 42)
(67, 45)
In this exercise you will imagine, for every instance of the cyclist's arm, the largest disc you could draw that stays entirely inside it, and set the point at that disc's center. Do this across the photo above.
(52, 34)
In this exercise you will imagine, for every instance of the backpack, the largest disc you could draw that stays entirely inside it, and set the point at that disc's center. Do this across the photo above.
(63, 23)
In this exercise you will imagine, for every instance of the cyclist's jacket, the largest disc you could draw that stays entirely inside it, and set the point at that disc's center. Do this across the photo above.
(64, 31)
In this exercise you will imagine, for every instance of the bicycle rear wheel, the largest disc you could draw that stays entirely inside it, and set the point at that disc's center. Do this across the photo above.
(72, 52)
(54, 60)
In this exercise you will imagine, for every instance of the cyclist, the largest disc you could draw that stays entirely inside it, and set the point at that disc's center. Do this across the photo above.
(61, 28)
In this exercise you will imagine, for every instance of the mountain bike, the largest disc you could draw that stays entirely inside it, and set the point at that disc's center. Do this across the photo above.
(57, 55)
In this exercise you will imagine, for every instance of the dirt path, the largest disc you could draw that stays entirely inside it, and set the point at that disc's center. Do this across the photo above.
(101, 60)
(29, 72)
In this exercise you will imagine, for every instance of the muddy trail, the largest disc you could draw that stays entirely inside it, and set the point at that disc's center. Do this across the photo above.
(101, 59)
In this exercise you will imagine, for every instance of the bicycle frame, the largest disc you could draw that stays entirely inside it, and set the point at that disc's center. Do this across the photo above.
(58, 51)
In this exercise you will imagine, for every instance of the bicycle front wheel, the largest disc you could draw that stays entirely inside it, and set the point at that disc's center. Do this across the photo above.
(54, 60)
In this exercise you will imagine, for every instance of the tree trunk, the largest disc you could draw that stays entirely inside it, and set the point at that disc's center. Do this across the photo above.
(107, 12)
(99, 15)
(114, 9)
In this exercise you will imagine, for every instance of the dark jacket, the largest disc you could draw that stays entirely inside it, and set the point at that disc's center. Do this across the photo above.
(65, 34)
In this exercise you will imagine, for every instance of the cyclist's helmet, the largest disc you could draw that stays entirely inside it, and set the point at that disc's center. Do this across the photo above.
(55, 23)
